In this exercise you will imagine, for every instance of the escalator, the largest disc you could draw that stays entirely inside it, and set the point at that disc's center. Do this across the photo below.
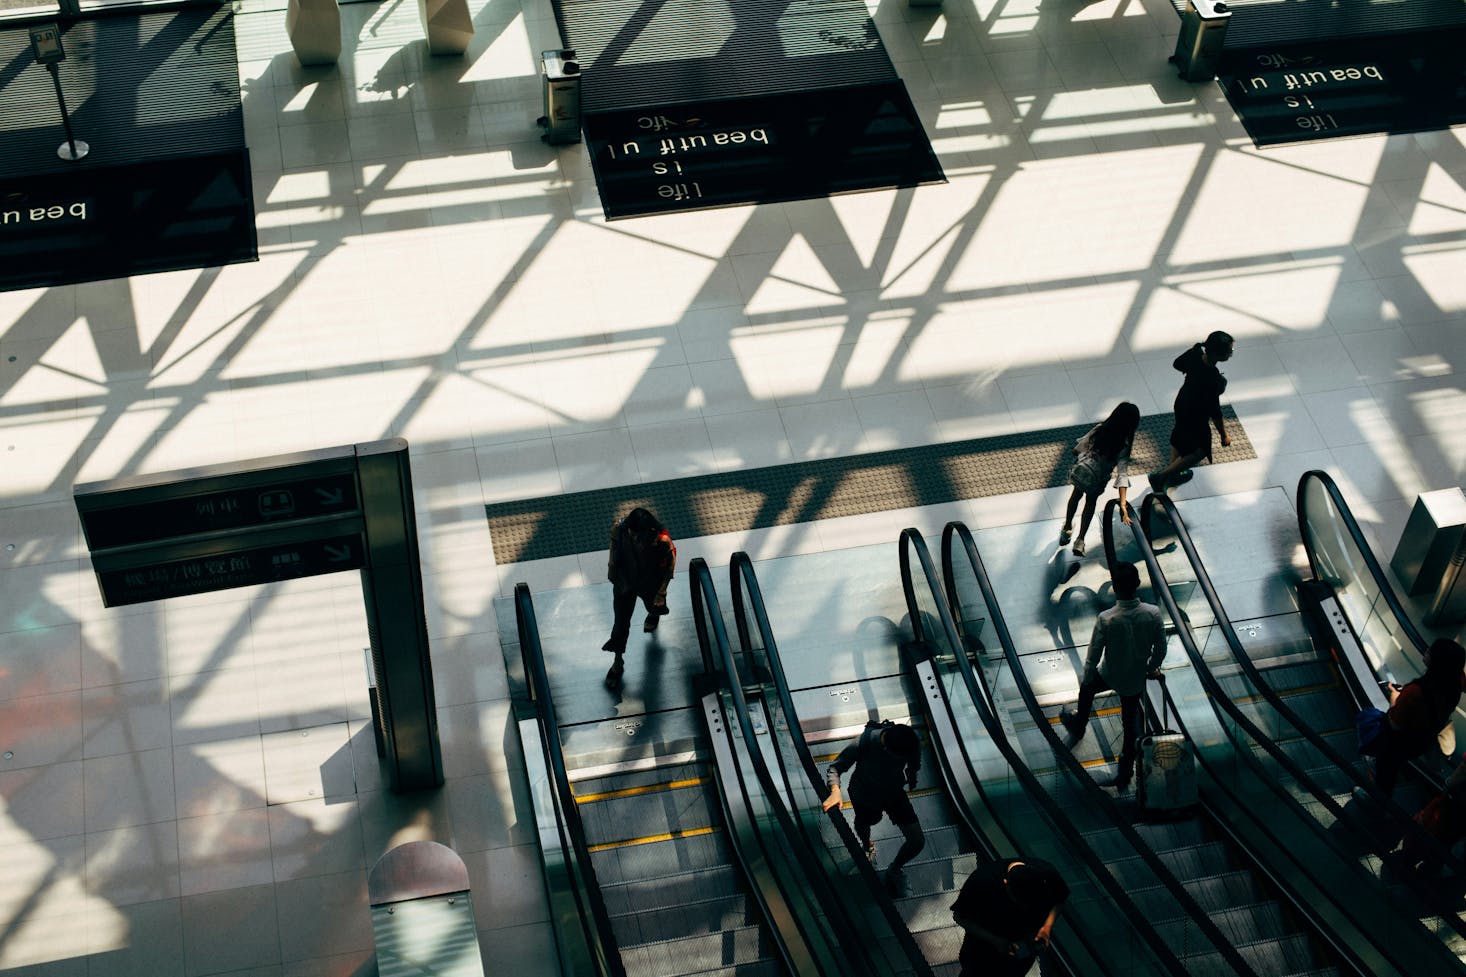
(1370, 637)
(665, 861)
(1252, 793)
(1199, 851)
(934, 876)
(1302, 706)
(862, 917)
(1128, 913)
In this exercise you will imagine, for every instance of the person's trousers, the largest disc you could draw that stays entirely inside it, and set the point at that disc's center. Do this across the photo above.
(902, 815)
(1396, 750)
(1130, 722)
(623, 605)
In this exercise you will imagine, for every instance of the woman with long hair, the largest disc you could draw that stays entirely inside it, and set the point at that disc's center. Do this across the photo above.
(1105, 449)
(1419, 711)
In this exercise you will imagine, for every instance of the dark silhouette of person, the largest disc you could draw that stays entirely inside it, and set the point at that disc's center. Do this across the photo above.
(1126, 647)
(1104, 449)
(640, 566)
(1198, 408)
(886, 758)
(1418, 712)
(1007, 909)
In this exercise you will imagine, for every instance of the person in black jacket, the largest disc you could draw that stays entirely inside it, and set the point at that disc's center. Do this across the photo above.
(1007, 910)
(642, 560)
(1198, 408)
(886, 758)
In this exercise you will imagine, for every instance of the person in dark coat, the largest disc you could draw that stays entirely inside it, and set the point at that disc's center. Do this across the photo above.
(1007, 910)
(1198, 408)
(886, 758)
(642, 560)
(1419, 711)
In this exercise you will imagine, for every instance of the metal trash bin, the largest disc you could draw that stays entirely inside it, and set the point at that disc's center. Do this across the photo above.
(1203, 33)
(561, 74)
(1431, 552)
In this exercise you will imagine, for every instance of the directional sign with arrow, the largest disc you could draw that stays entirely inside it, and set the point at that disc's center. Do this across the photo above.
(237, 568)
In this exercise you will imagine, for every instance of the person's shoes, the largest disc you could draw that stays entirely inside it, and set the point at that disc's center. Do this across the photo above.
(896, 883)
(1184, 475)
(1079, 546)
(1157, 483)
(651, 622)
(613, 677)
(1065, 535)
(1360, 794)
(1071, 725)
(870, 851)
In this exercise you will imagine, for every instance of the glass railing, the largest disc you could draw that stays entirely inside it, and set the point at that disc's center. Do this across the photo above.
(1340, 556)
(1354, 832)
(805, 878)
(582, 926)
(760, 667)
(1035, 786)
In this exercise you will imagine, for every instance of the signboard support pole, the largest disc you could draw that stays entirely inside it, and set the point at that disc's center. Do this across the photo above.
(72, 149)
(392, 587)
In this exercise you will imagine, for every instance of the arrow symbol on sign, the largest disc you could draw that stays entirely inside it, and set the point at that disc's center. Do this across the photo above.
(338, 554)
(330, 496)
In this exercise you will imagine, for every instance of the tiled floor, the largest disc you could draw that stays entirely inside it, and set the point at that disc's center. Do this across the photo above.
(189, 788)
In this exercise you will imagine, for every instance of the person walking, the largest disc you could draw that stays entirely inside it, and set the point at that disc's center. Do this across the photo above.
(1418, 712)
(1105, 449)
(642, 560)
(1198, 408)
(1007, 909)
(886, 758)
(1126, 647)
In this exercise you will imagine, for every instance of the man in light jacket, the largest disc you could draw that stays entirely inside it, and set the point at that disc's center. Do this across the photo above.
(1127, 646)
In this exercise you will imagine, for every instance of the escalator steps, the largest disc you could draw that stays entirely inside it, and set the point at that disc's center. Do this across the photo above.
(641, 895)
(704, 916)
(661, 858)
(694, 954)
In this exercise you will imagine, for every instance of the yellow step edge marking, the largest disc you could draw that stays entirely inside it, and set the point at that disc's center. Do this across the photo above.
(648, 839)
(644, 789)
(1107, 711)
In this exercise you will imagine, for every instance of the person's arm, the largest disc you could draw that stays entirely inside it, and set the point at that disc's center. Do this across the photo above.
(611, 556)
(1122, 481)
(843, 762)
(1046, 931)
(1096, 651)
(913, 768)
(668, 566)
(1220, 422)
(1157, 649)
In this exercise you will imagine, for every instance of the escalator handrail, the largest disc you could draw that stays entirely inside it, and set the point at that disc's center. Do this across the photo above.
(748, 598)
(1095, 796)
(1381, 580)
(1404, 822)
(1343, 941)
(595, 921)
(717, 655)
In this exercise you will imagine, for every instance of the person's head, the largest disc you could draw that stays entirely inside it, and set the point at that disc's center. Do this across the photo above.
(1444, 660)
(642, 523)
(1117, 430)
(901, 740)
(1033, 885)
(1126, 580)
(1441, 682)
(1219, 346)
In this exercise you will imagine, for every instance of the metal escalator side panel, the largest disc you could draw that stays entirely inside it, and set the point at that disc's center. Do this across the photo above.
(790, 919)
(583, 933)
(1130, 916)
(834, 935)
(1287, 845)
(800, 775)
